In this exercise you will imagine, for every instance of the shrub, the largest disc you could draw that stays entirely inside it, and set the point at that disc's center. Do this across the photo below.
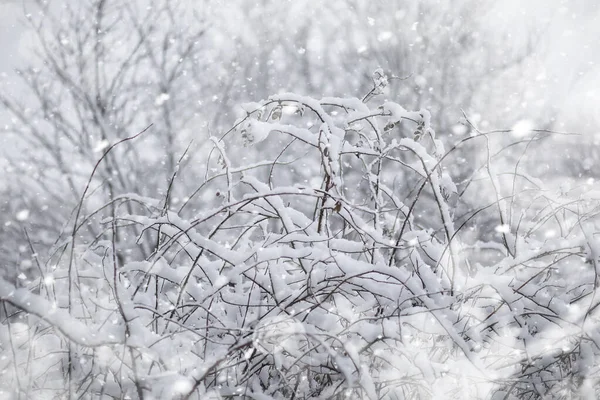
(331, 258)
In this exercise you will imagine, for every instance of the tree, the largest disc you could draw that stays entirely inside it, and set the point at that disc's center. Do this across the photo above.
(104, 69)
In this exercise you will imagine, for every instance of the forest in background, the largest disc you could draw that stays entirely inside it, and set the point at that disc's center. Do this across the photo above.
(336, 199)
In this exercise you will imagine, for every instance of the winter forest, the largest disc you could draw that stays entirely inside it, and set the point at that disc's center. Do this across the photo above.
(298, 199)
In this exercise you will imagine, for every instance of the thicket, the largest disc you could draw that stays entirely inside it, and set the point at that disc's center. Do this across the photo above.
(332, 256)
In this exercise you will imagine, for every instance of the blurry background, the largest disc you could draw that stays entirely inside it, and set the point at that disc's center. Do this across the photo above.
(78, 75)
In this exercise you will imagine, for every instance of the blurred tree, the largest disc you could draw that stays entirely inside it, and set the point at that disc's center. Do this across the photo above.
(102, 71)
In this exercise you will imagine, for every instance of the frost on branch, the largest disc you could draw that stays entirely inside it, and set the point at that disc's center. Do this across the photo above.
(324, 259)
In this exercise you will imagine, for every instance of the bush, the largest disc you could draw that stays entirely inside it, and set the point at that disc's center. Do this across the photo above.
(333, 257)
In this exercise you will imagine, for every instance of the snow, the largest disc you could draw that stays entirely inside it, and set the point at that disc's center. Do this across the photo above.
(504, 228)
(73, 329)
(257, 131)
(396, 111)
(325, 244)
(22, 215)
(522, 128)
(161, 99)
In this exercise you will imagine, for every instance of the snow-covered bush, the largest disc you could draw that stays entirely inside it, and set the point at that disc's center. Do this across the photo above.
(330, 261)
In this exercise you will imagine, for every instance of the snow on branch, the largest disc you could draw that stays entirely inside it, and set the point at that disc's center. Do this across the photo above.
(73, 329)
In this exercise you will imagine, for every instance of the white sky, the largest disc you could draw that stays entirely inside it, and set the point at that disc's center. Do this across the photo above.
(570, 67)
